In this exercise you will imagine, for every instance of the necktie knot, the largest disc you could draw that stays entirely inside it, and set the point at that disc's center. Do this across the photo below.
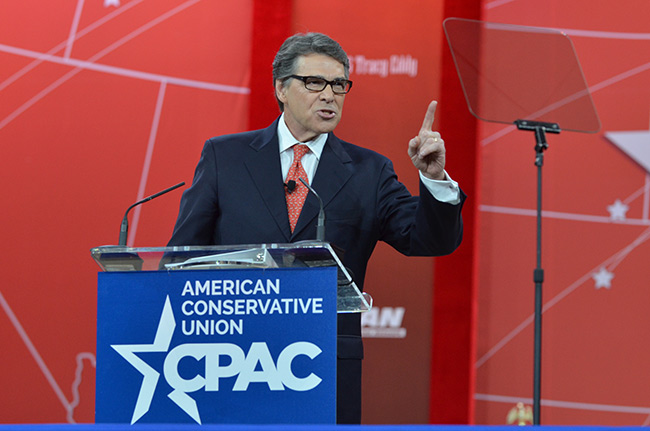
(299, 151)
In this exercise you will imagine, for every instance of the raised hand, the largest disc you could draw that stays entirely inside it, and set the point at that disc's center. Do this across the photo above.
(427, 149)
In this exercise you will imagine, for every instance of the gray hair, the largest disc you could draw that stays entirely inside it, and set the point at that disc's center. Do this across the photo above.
(300, 44)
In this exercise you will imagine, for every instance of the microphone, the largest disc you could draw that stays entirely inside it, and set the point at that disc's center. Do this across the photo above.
(320, 227)
(290, 185)
(124, 228)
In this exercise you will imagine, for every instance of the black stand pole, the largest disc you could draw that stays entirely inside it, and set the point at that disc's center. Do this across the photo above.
(540, 130)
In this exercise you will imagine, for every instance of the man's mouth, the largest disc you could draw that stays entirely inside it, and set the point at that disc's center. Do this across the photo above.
(326, 114)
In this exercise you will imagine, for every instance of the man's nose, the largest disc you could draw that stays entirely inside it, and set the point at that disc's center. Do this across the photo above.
(327, 94)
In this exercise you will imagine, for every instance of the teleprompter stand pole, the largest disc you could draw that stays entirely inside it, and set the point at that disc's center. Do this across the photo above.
(540, 130)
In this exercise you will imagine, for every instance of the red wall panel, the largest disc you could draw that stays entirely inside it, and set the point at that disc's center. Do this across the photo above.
(102, 103)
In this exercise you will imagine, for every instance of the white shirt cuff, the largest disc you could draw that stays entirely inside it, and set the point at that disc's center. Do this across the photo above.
(446, 190)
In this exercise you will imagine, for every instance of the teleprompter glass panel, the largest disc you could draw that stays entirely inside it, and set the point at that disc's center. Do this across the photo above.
(510, 72)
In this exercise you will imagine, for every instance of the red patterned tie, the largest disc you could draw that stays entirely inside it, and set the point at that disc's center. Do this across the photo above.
(296, 198)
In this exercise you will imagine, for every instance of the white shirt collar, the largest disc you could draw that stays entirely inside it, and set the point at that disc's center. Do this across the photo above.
(287, 140)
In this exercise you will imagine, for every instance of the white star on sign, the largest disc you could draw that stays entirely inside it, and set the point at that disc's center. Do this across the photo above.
(617, 210)
(108, 3)
(150, 376)
(603, 278)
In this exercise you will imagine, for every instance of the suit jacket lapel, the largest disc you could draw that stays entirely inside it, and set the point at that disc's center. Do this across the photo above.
(334, 170)
(264, 168)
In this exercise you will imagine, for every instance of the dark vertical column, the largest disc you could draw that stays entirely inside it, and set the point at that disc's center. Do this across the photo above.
(455, 276)
(271, 26)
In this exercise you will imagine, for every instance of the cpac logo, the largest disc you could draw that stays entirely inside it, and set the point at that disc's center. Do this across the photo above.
(257, 365)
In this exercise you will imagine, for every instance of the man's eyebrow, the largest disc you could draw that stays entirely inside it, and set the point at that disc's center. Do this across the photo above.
(322, 77)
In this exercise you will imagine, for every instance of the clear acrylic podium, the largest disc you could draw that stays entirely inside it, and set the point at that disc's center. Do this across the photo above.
(176, 345)
(305, 254)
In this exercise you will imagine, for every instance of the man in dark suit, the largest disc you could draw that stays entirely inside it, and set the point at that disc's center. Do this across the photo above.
(239, 194)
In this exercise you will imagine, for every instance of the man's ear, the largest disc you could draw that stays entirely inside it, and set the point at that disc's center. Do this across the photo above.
(280, 90)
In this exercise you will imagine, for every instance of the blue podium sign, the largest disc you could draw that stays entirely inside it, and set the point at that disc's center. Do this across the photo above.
(251, 346)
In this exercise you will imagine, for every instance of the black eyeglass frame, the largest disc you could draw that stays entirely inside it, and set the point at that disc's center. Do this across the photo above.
(304, 79)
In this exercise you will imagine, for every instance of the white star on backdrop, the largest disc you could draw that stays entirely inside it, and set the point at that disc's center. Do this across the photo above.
(617, 210)
(603, 278)
(108, 3)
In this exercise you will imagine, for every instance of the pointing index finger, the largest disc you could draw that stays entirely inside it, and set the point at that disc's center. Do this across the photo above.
(427, 124)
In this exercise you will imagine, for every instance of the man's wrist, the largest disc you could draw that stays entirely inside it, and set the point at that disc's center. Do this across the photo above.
(442, 176)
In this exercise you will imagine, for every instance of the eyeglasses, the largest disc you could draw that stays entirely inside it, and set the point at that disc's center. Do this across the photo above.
(314, 83)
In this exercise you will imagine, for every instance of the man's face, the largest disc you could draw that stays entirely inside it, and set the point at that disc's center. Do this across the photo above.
(308, 113)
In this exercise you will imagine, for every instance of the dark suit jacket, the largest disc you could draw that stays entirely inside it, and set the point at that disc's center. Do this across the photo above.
(238, 197)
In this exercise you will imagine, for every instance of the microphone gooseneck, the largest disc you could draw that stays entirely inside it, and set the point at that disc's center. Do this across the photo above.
(124, 228)
(320, 226)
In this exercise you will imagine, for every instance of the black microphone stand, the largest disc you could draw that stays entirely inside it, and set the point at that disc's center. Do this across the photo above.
(320, 225)
(540, 129)
(124, 227)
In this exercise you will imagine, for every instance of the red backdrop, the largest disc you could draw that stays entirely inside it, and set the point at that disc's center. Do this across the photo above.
(103, 102)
